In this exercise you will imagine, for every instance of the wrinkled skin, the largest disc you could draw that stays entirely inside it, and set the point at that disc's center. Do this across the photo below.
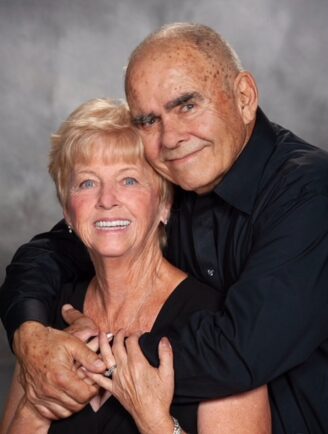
(49, 373)
(136, 384)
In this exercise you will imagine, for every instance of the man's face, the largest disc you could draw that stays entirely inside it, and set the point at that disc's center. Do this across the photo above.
(192, 127)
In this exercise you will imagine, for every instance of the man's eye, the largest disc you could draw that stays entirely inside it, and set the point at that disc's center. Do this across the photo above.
(146, 121)
(130, 181)
(188, 107)
(88, 183)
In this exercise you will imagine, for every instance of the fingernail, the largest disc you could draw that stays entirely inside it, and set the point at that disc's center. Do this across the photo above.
(164, 342)
(109, 336)
(67, 307)
(99, 364)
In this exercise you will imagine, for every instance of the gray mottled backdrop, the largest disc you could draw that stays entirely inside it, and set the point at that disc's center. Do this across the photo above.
(56, 54)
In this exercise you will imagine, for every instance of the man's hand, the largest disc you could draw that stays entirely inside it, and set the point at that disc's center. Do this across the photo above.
(49, 360)
(80, 325)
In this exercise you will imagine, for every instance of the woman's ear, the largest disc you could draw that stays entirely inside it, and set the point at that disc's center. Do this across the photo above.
(246, 96)
(66, 217)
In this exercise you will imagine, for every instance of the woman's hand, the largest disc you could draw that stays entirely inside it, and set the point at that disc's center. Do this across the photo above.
(145, 392)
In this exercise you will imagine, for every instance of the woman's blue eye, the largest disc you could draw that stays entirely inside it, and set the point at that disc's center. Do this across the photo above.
(87, 184)
(130, 181)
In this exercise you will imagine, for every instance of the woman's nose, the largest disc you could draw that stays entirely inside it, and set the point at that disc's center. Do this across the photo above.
(108, 197)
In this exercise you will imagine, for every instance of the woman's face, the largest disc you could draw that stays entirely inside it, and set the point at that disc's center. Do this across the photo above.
(115, 207)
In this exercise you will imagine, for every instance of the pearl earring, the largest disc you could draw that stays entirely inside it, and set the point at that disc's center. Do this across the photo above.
(69, 227)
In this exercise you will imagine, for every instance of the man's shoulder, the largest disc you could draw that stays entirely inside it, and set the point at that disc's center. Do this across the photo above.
(297, 164)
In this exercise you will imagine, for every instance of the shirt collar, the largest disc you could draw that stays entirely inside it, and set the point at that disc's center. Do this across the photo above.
(240, 184)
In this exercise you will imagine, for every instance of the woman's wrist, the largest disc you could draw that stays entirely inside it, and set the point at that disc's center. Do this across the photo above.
(177, 428)
(28, 417)
(167, 425)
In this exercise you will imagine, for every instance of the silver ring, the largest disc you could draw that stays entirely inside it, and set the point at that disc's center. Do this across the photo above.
(110, 371)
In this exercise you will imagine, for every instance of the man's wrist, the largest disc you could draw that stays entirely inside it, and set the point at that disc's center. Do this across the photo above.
(22, 334)
(27, 310)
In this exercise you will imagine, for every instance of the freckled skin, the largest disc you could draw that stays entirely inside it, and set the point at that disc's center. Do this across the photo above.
(193, 148)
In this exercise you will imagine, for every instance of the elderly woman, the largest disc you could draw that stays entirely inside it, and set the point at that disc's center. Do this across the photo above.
(118, 205)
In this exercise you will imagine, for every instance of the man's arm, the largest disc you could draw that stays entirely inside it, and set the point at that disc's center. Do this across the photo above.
(47, 356)
(275, 315)
(36, 274)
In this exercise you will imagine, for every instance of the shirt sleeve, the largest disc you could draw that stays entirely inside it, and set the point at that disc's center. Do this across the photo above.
(274, 316)
(36, 273)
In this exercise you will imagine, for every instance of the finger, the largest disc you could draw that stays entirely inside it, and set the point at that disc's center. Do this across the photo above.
(87, 358)
(70, 314)
(81, 372)
(45, 412)
(55, 411)
(165, 357)
(81, 326)
(72, 390)
(101, 380)
(133, 348)
(118, 348)
(53, 407)
(106, 351)
(82, 332)
(93, 344)
(62, 387)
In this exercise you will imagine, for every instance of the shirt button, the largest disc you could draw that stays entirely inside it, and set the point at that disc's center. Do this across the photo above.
(210, 272)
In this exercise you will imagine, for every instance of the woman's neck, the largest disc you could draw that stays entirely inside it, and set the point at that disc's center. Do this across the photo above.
(129, 294)
(122, 277)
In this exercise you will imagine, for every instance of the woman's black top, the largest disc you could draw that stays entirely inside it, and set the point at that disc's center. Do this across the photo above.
(189, 296)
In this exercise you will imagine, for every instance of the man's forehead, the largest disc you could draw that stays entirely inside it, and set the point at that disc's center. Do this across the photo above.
(164, 79)
(169, 57)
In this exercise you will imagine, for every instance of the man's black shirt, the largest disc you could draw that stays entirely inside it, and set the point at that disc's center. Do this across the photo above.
(261, 239)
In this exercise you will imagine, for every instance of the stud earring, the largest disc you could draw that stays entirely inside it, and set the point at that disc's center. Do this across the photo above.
(69, 227)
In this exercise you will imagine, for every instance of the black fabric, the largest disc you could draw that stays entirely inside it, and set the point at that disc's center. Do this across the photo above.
(189, 296)
(261, 240)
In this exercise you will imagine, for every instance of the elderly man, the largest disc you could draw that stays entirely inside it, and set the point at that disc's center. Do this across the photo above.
(250, 219)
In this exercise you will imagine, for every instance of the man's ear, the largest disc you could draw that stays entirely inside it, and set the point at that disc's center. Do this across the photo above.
(246, 96)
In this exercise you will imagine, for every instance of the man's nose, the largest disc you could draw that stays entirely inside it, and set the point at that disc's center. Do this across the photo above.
(173, 132)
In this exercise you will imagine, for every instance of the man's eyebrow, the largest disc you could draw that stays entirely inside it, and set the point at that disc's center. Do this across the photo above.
(182, 99)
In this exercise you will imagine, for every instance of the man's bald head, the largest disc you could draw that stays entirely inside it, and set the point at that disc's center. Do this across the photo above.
(202, 38)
